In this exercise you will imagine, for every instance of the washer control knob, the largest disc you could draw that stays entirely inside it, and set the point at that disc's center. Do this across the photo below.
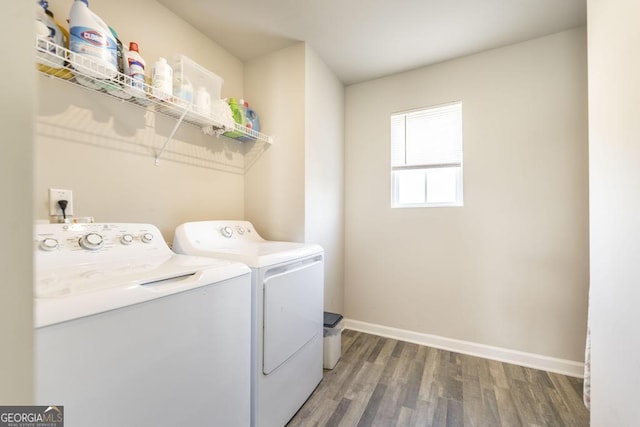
(240, 231)
(92, 241)
(49, 244)
(126, 239)
(227, 232)
(147, 238)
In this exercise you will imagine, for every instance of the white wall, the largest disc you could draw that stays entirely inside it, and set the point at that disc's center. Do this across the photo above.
(614, 177)
(510, 268)
(16, 168)
(295, 188)
(324, 172)
(104, 149)
(275, 181)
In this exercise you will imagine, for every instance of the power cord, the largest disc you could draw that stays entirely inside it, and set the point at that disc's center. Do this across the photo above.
(63, 206)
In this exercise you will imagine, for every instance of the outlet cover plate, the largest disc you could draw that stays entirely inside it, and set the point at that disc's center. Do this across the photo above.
(57, 194)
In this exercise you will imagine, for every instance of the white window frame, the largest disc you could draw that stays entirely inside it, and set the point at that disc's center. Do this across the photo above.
(408, 165)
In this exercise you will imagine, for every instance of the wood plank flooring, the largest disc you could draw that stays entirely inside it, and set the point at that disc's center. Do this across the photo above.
(383, 382)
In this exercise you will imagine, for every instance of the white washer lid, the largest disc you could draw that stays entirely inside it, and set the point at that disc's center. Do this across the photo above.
(180, 273)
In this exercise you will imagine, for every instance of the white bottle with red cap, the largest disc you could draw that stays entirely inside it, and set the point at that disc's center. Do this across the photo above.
(134, 67)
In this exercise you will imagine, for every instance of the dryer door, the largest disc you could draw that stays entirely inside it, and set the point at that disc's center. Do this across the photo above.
(293, 309)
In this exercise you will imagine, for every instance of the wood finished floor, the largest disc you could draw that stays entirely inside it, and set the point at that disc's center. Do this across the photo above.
(383, 382)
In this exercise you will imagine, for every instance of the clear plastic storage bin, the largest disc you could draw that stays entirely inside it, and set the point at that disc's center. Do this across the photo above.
(196, 76)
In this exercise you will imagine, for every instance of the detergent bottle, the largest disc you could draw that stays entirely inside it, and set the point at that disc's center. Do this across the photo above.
(51, 37)
(134, 67)
(252, 118)
(116, 86)
(119, 51)
(238, 111)
(92, 42)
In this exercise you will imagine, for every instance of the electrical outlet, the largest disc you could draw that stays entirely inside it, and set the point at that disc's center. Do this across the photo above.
(54, 196)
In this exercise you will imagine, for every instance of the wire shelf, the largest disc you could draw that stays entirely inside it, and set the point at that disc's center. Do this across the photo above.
(56, 61)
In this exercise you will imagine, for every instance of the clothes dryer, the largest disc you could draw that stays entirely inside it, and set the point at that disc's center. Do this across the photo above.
(288, 289)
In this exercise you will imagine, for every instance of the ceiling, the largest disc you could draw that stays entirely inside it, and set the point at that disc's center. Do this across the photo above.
(365, 39)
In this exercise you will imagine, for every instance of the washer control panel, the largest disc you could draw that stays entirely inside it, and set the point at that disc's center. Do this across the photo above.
(103, 240)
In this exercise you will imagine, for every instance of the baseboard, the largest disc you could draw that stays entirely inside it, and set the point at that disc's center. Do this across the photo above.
(530, 360)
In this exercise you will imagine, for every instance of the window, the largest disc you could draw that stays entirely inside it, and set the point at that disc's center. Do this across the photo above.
(426, 157)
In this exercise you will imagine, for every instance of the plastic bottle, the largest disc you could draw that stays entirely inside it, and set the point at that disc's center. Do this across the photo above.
(252, 118)
(119, 51)
(240, 117)
(134, 67)
(237, 110)
(162, 77)
(244, 106)
(92, 41)
(182, 89)
(63, 73)
(202, 101)
(243, 111)
(50, 57)
(116, 87)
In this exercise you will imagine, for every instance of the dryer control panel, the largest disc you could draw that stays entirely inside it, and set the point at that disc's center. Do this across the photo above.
(208, 234)
(236, 229)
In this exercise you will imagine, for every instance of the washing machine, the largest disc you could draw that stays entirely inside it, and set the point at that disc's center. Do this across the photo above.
(288, 289)
(127, 333)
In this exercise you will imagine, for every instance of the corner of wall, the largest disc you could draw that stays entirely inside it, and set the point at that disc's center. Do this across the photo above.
(16, 225)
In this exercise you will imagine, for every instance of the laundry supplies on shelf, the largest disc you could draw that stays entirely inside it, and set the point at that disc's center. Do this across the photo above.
(245, 120)
(96, 59)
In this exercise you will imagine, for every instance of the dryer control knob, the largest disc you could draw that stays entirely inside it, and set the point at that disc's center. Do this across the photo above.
(227, 232)
(147, 238)
(126, 239)
(240, 230)
(49, 244)
(92, 241)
